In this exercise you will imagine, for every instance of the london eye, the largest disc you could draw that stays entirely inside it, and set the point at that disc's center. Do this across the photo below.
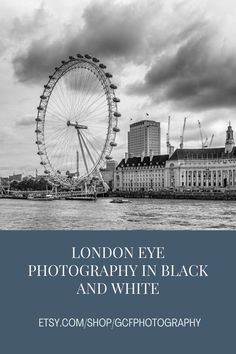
(77, 121)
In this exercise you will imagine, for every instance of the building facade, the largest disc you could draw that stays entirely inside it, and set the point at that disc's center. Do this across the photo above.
(195, 169)
(141, 173)
(211, 168)
(144, 137)
(108, 173)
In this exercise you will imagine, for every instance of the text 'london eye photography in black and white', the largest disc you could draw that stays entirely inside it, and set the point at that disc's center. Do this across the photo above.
(118, 115)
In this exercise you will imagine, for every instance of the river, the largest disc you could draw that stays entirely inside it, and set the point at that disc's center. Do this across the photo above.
(146, 214)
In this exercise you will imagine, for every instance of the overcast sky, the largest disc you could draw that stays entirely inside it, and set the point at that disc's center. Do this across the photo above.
(168, 57)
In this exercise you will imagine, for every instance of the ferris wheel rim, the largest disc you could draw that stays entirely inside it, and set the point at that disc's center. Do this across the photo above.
(79, 63)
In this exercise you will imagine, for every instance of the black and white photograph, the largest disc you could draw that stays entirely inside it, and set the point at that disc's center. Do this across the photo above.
(118, 115)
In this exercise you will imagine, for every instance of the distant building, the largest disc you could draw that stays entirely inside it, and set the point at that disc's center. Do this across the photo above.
(4, 181)
(14, 177)
(144, 138)
(141, 173)
(108, 173)
(203, 168)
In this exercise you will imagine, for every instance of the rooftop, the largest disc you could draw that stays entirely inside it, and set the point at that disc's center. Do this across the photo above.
(196, 154)
(157, 160)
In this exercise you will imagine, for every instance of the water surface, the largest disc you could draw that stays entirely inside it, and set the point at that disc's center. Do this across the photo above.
(146, 214)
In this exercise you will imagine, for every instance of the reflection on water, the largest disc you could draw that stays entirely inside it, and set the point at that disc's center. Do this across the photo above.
(100, 215)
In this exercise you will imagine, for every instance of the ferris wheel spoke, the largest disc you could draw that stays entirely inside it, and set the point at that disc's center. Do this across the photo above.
(67, 92)
(91, 106)
(58, 101)
(95, 98)
(82, 87)
(88, 88)
(62, 97)
(73, 90)
(54, 107)
(96, 117)
(60, 104)
(53, 135)
(57, 151)
(90, 94)
(91, 88)
(55, 116)
(98, 111)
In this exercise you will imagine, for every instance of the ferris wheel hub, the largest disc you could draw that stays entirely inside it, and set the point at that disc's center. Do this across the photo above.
(76, 125)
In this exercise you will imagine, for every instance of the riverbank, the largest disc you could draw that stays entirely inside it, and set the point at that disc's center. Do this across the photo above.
(226, 194)
(196, 195)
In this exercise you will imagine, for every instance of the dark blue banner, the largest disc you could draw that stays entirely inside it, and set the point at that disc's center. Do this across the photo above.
(117, 292)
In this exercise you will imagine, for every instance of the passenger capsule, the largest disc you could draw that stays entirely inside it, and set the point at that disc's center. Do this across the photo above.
(96, 60)
(113, 143)
(71, 57)
(38, 131)
(108, 157)
(79, 55)
(108, 75)
(38, 142)
(43, 163)
(102, 66)
(39, 108)
(50, 77)
(43, 97)
(117, 114)
(56, 68)
(40, 153)
(113, 87)
(38, 119)
(47, 172)
(46, 87)
(116, 129)
(63, 62)
(87, 56)
(116, 99)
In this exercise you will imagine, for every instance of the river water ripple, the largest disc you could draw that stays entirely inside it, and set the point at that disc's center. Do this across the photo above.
(140, 214)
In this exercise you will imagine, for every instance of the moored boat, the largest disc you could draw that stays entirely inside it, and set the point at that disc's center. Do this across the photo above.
(41, 197)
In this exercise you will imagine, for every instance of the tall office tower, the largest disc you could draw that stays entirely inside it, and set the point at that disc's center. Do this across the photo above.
(144, 137)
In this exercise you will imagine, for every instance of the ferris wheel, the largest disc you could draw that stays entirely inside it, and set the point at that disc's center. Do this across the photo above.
(77, 120)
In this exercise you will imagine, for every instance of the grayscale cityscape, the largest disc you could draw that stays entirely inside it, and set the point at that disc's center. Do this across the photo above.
(121, 122)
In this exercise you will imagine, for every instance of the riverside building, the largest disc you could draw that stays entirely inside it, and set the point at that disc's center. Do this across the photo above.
(210, 168)
(195, 169)
(145, 173)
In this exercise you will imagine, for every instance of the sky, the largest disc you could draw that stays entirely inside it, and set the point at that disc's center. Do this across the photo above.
(168, 57)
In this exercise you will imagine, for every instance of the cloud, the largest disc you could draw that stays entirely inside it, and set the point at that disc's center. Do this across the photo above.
(199, 75)
(26, 121)
(111, 31)
(27, 25)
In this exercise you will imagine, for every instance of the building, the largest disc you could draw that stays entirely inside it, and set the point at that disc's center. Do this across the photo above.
(108, 173)
(141, 173)
(15, 177)
(144, 137)
(195, 169)
(209, 168)
(4, 181)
